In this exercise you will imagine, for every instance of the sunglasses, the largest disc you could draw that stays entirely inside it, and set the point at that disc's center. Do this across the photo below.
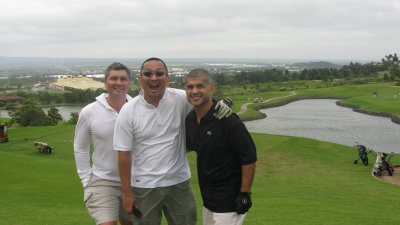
(149, 74)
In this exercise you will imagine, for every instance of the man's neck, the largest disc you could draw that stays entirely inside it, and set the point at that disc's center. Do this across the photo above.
(202, 110)
(116, 101)
(152, 101)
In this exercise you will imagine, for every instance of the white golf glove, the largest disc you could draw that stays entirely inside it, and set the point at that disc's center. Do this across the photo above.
(223, 108)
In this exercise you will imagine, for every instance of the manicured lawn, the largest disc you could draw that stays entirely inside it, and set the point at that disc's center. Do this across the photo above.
(40, 188)
(303, 181)
(240, 100)
(388, 99)
(298, 181)
(4, 120)
(358, 95)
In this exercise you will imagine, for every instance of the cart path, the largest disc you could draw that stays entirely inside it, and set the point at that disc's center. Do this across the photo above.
(243, 108)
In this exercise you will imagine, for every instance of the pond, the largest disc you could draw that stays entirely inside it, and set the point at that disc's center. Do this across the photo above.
(65, 111)
(322, 119)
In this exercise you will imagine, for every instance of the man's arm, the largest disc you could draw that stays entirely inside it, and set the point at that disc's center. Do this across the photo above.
(248, 172)
(124, 167)
(81, 150)
(243, 199)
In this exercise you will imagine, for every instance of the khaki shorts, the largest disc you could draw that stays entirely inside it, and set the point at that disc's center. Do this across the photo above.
(103, 200)
(231, 218)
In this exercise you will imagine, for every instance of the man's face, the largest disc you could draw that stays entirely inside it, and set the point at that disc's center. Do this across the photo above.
(154, 81)
(199, 92)
(117, 82)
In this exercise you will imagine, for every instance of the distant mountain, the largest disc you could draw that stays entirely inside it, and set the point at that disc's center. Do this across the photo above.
(45, 61)
(317, 65)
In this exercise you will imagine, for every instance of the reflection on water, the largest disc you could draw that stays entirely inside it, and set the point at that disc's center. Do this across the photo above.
(65, 111)
(4, 114)
(323, 120)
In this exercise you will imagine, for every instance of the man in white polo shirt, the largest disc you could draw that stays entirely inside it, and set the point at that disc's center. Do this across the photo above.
(150, 137)
(101, 183)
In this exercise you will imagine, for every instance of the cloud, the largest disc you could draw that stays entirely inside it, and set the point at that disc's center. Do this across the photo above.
(362, 29)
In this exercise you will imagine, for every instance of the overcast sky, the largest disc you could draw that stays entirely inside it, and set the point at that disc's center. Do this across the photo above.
(295, 29)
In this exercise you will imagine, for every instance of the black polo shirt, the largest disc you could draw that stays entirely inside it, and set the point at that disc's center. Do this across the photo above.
(222, 147)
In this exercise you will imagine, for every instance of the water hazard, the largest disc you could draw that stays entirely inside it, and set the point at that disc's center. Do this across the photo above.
(323, 120)
(65, 111)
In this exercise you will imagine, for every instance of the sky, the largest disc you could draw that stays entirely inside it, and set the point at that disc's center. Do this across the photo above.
(262, 29)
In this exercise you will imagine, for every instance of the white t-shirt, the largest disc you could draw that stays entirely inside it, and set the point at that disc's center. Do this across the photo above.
(156, 137)
(96, 125)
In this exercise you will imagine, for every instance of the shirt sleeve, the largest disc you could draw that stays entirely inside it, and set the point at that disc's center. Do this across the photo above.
(123, 131)
(82, 150)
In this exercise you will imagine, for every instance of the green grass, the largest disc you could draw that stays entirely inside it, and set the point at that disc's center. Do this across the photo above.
(4, 120)
(358, 95)
(298, 181)
(313, 182)
(40, 188)
(242, 99)
(361, 95)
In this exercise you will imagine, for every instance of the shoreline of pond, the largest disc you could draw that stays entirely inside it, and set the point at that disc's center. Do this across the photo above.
(394, 118)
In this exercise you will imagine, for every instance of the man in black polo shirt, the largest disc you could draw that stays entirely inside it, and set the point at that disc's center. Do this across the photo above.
(226, 154)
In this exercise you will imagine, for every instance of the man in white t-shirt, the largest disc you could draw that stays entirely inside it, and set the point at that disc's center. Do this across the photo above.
(101, 182)
(150, 137)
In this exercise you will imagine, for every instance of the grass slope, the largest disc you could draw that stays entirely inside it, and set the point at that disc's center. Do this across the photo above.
(298, 181)
(39, 188)
(358, 95)
(361, 95)
(242, 99)
(304, 181)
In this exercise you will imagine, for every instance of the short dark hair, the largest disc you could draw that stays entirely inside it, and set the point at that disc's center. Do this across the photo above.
(200, 73)
(154, 59)
(117, 66)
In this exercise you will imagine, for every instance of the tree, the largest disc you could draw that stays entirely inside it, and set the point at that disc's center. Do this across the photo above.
(389, 57)
(241, 77)
(395, 58)
(386, 77)
(220, 79)
(74, 118)
(29, 115)
(53, 116)
(395, 71)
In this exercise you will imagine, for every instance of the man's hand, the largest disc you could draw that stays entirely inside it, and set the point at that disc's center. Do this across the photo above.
(85, 180)
(223, 108)
(242, 202)
(129, 201)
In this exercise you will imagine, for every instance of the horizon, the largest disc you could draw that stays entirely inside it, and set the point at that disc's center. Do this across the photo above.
(8, 59)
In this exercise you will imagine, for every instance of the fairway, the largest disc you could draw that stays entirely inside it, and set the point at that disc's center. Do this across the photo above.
(359, 96)
(298, 181)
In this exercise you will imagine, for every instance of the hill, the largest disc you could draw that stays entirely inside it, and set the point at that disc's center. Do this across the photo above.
(317, 65)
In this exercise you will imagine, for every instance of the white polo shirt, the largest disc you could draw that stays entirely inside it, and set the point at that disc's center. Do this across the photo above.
(156, 137)
(96, 126)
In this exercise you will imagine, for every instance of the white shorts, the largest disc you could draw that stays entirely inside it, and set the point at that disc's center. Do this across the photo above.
(103, 200)
(231, 218)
